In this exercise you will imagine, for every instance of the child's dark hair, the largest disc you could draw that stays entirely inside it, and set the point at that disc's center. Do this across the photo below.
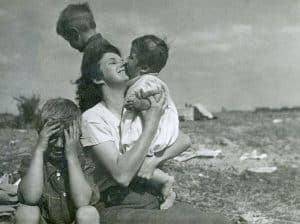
(88, 93)
(151, 51)
(59, 110)
(75, 15)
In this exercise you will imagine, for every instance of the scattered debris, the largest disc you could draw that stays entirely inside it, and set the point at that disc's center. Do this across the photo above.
(204, 153)
(9, 189)
(267, 169)
(17, 182)
(253, 155)
(277, 121)
(7, 210)
(223, 141)
(202, 175)
(13, 142)
(253, 218)
(6, 214)
(5, 178)
(8, 199)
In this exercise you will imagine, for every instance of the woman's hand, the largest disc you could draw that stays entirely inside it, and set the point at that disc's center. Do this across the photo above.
(47, 131)
(142, 94)
(153, 114)
(72, 139)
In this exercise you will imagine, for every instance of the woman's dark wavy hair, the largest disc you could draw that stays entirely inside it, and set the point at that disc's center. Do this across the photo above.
(88, 93)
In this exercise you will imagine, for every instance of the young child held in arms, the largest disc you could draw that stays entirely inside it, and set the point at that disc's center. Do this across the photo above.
(55, 189)
(148, 56)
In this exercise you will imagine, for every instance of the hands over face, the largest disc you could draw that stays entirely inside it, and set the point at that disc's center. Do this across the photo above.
(47, 131)
(72, 135)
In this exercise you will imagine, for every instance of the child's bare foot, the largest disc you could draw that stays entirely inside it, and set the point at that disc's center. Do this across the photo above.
(169, 201)
(168, 194)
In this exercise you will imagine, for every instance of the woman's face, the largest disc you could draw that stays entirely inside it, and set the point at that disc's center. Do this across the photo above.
(113, 69)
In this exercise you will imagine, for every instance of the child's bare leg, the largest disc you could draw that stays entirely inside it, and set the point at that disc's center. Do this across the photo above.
(87, 214)
(28, 214)
(167, 182)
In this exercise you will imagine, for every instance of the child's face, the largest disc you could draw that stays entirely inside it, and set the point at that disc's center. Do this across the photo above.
(132, 67)
(76, 42)
(56, 145)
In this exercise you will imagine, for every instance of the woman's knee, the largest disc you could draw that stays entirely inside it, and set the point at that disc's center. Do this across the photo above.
(87, 214)
(27, 214)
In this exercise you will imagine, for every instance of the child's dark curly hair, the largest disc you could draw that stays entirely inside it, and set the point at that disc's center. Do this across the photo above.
(151, 51)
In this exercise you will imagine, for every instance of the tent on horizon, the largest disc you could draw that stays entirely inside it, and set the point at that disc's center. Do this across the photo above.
(194, 112)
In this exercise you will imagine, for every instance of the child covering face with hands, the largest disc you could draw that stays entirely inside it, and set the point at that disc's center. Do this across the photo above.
(55, 188)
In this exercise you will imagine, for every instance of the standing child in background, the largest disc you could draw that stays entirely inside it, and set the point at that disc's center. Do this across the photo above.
(55, 189)
(76, 25)
(148, 56)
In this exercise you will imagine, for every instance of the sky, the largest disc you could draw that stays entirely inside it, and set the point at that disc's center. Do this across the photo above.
(236, 54)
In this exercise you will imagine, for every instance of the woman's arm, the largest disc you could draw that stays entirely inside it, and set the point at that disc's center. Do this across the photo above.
(31, 186)
(80, 189)
(123, 167)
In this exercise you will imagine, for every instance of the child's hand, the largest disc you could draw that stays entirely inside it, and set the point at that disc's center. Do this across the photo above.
(129, 102)
(72, 139)
(47, 131)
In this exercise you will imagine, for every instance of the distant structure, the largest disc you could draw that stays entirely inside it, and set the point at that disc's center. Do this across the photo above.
(191, 112)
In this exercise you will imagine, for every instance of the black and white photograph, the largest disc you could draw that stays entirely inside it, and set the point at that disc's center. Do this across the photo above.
(150, 112)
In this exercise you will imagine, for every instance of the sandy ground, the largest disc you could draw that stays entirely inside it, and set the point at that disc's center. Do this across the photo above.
(222, 184)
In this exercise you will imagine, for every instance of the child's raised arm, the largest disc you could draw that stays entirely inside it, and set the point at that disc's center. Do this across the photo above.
(31, 186)
(81, 191)
(139, 101)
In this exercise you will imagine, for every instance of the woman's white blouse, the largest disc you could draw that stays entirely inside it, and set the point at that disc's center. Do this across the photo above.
(99, 125)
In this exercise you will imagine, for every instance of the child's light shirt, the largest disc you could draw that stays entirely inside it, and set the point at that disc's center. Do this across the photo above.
(131, 122)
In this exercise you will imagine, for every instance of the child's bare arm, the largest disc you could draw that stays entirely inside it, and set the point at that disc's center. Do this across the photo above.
(81, 191)
(139, 101)
(31, 186)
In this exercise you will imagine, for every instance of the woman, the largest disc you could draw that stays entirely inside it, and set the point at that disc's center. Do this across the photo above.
(126, 198)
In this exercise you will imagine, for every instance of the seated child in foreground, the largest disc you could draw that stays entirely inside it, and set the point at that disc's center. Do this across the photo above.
(55, 189)
(148, 56)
